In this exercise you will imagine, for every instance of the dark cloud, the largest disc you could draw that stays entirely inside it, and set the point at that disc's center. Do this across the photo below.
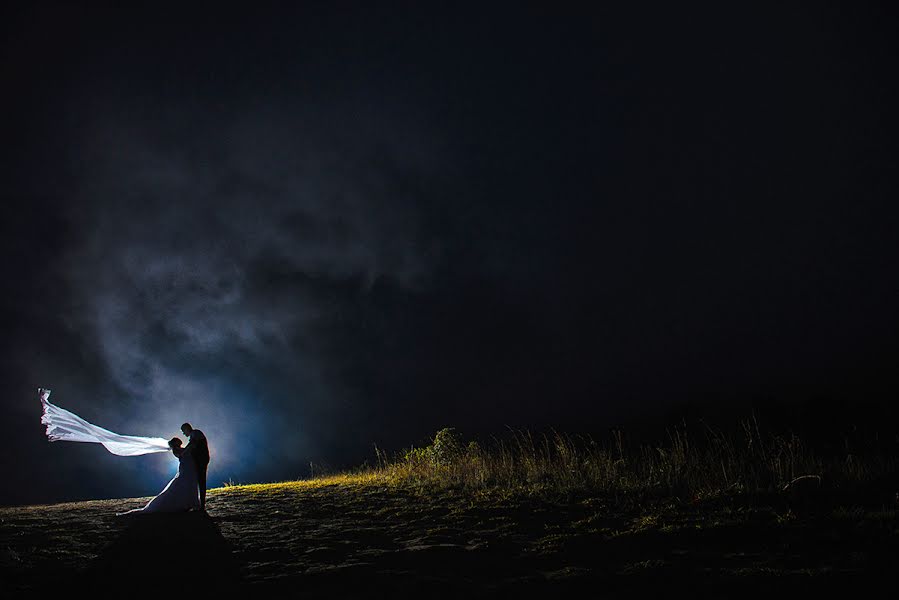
(308, 230)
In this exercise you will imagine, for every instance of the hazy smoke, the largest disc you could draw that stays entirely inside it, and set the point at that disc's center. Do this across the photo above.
(202, 262)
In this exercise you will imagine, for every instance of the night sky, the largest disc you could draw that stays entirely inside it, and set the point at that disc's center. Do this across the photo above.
(310, 229)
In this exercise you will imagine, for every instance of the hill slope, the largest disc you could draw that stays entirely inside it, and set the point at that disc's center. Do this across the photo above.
(349, 535)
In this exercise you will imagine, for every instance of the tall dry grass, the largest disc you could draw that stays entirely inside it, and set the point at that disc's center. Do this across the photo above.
(685, 464)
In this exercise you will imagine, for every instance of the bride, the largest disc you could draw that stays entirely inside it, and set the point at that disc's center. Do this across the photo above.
(181, 493)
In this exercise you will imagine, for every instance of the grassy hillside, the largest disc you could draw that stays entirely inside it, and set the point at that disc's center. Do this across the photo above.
(453, 518)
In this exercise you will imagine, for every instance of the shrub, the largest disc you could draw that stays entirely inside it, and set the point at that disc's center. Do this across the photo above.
(446, 447)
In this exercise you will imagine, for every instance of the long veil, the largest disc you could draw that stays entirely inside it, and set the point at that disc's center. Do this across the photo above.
(65, 426)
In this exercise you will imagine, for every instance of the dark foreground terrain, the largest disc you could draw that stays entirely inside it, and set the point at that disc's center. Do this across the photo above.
(349, 537)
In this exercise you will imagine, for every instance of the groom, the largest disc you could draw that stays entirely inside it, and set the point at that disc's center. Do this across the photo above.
(199, 450)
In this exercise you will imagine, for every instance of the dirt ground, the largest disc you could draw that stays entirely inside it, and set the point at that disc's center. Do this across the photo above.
(373, 541)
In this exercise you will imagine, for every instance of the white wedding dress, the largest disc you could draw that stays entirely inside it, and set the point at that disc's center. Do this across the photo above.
(180, 494)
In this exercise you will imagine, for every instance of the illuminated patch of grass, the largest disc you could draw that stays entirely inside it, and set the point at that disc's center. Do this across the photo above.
(367, 478)
(689, 467)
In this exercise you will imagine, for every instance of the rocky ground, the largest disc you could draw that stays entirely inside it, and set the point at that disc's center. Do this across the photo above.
(362, 539)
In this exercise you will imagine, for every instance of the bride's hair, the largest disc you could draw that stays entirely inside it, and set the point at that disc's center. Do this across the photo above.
(175, 442)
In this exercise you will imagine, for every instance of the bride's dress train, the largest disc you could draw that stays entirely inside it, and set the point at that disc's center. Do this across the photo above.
(180, 494)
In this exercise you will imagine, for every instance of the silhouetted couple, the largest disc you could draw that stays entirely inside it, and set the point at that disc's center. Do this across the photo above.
(187, 490)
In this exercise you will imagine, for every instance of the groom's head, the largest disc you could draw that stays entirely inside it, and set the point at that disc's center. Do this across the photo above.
(186, 429)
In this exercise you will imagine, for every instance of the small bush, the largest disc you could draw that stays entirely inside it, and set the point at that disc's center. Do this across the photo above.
(446, 447)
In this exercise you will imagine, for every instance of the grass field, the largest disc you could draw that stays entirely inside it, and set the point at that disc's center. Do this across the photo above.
(527, 516)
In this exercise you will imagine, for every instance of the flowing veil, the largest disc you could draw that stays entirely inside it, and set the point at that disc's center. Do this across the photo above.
(66, 426)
